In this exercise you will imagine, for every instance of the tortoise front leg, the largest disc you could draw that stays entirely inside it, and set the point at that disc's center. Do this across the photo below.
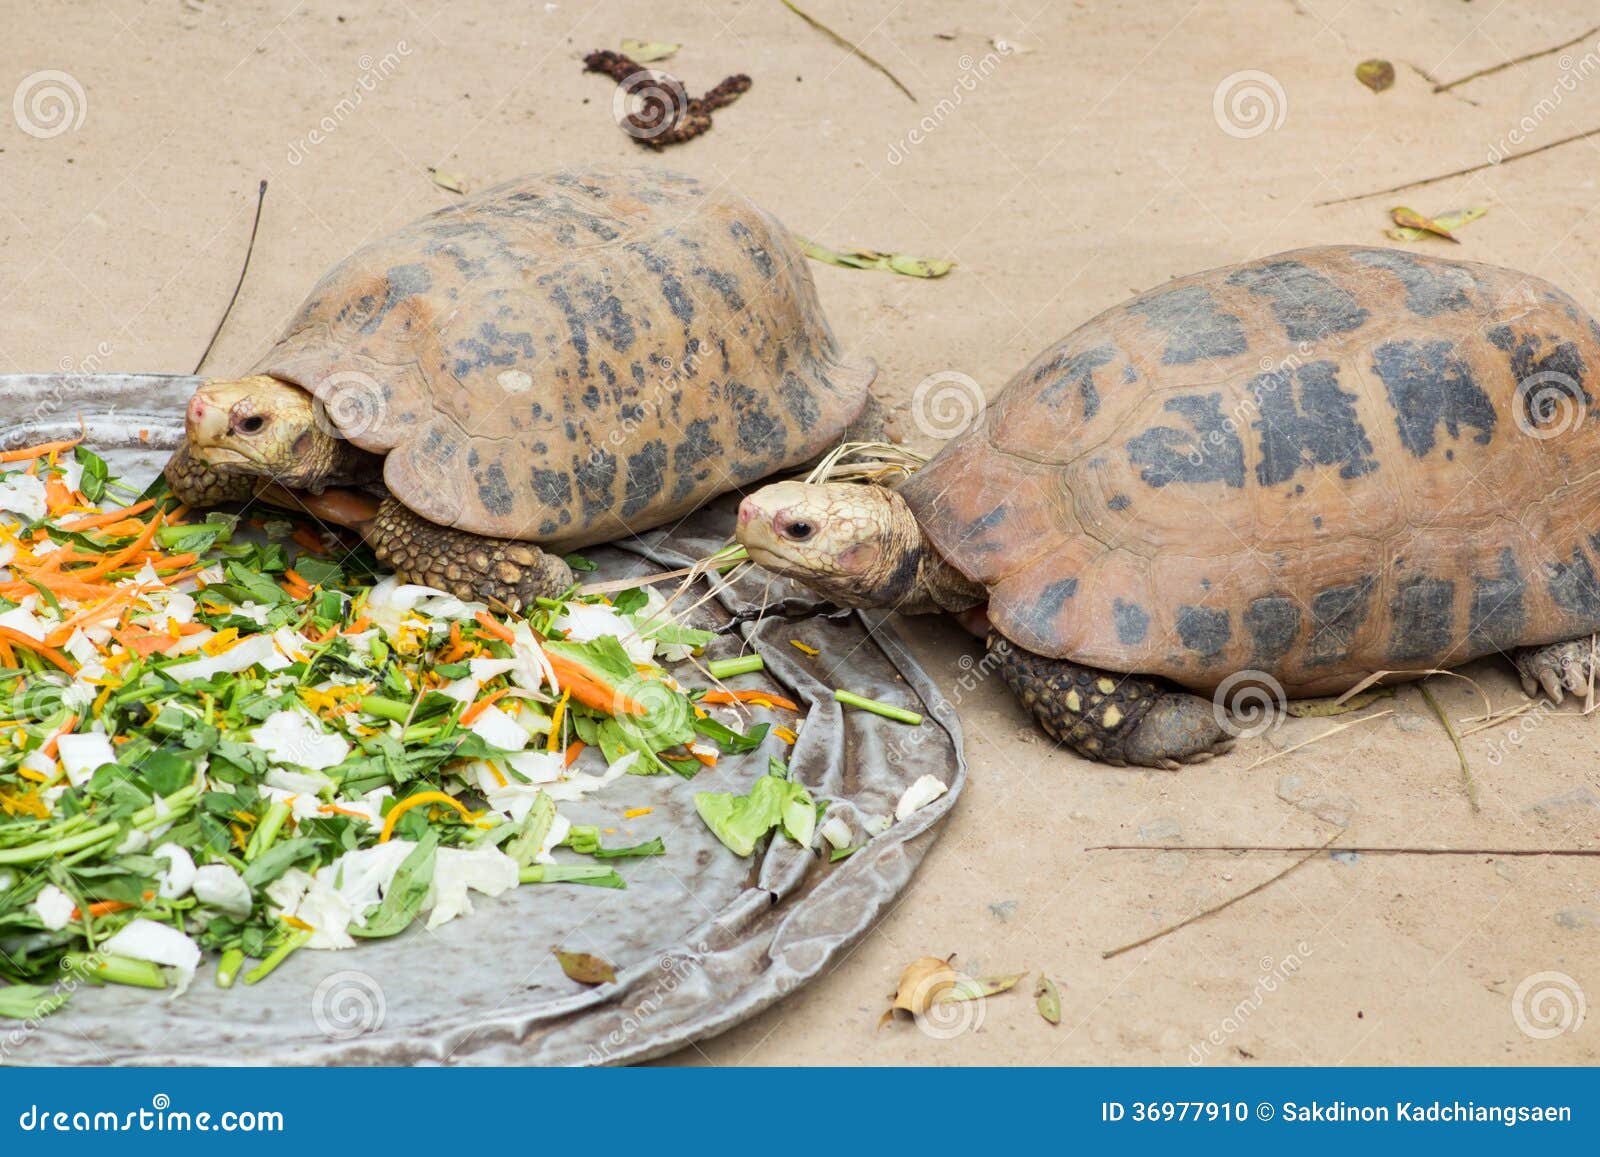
(194, 483)
(469, 566)
(1117, 719)
(1558, 667)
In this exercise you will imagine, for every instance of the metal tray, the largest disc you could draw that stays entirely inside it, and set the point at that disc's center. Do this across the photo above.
(701, 939)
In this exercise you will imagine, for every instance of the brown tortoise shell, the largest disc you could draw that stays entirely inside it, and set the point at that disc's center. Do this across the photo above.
(1315, 465)
(572, 357)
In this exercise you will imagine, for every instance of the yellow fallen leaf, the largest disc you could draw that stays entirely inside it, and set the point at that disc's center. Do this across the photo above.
(1375, 74)
(873, 259)
(1048, 998)
(924, 981)
(978, 987)
(1451, 221)
(448, 181)
(647, 51)
(1322, 708)
(586, 967)
(1411, 219)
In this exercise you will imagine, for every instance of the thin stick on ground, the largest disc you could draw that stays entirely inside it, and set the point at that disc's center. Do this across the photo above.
(1365, 850)
(1469, 170)
(1514, 61)
(1226, 904)
(249, 249)
(1468, 784)
(851, 47)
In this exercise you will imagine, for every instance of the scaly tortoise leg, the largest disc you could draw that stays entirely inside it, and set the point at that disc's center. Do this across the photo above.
(469, 566)
(1557, 667)
(1117, 719)
(196, 484)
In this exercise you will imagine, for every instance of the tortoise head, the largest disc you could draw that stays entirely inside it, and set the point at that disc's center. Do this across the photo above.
(262, 425)
(856, 543)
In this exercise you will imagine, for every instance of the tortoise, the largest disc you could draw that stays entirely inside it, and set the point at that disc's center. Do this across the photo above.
(563, 360)
(1291, 473)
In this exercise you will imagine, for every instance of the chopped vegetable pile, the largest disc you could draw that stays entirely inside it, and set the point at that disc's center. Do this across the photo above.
(209, 744)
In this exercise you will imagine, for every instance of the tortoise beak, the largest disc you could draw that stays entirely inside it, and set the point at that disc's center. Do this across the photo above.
(207, 420)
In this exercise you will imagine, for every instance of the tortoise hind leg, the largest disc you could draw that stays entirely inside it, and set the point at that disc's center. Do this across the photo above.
(1558, 667)
(1117, 719)
(469, 566)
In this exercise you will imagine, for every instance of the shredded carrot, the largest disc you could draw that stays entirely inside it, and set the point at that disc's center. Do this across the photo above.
(17, 638)
(358, 626)
(102, 908)
(574, 749)
(7, 655)
(29, 453)
(298, 593)
(557, 714)
(109, 518)
(497, 629)
(335, 809)
(634, 813)
(470, 715)
(709, 758)
(49, 748)
(420, 798)
(760, 698)
(56, 495)
(127, 553)
(786, 735)
(308, 539)
(588, 691)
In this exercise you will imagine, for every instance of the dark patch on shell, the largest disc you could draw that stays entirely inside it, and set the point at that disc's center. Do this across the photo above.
(1191, 324)
(1308, 305)
(1209, 452)
(1320, 427)
(1422, 614)
(1432, 287)
(1495, 620)
(646, 471)
(1074, 371)
(1430, 384)
(494, 489)
(1133, 622)
(1204, 630)
(1573, 588)
(1337, 613)
(1273, 622)
(1549, 382)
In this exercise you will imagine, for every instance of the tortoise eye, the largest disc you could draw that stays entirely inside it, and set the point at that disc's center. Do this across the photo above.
(798, 531)
(254, 424)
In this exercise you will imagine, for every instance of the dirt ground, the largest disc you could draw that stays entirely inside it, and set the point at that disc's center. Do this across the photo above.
(1102, 155)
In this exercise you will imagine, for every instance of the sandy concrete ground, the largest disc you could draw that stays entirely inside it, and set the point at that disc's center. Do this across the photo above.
(1062, 179)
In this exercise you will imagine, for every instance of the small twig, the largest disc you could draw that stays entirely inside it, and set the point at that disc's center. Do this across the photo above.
(1374, 850)
(1506, 160)
(1505, 64)
(1212, 911)
(851, 47)
(1319, 738)
(261, 199)
(1469, 784)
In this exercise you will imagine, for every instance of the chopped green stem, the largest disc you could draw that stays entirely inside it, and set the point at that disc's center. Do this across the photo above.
(123, 970)
(383, 708)
(728, 668)
(591, 874)
(228, 967)
(267, 830)
(887, 710)
(297, 940)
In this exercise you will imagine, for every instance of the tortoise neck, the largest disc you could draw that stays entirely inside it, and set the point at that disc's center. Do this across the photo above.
(916, 579)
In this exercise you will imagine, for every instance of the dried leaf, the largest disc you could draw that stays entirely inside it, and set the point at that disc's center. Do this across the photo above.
(1452, 221)
(585, 967)
(1330, 705)
(450, 182)
(872, 259)
(1375, 74)
(648, 51)
(924, 981)
(1411, 219)
(1048, 997)
(978, 987)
